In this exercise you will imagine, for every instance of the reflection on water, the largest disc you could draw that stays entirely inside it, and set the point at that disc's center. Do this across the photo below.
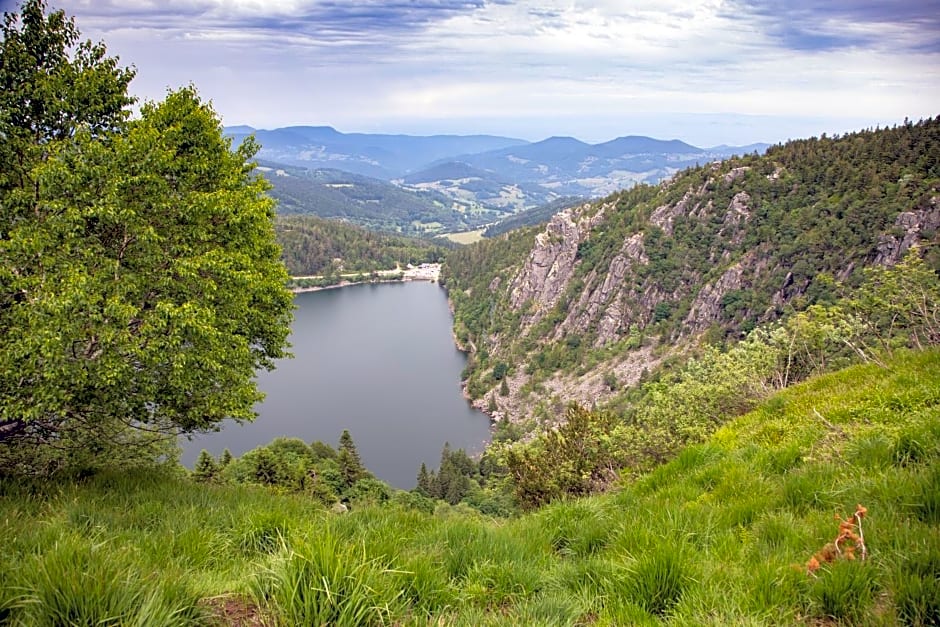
(378, 360)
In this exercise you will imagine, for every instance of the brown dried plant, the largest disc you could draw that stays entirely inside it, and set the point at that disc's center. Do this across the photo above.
(849, 542)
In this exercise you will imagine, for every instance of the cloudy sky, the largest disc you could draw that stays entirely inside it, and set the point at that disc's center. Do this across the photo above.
(705, 71)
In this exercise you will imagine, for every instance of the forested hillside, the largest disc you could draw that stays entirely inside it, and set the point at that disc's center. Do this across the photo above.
(316, 246)
(612, 289)
(531, 217)
(369, 202)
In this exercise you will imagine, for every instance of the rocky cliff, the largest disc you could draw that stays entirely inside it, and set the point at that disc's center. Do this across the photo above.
(607, 290)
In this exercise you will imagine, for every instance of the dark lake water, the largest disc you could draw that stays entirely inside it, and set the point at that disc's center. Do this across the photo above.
(378, 360)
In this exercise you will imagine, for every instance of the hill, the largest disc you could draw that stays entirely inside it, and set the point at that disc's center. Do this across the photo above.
(533, 216)
(737, 530)
(375, 155)
(565, 166)
(612, 289)
(317, 246)
(477, 173)
(370, 202)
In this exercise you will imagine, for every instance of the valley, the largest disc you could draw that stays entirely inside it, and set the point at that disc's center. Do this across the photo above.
(438, 184)
(624, 381)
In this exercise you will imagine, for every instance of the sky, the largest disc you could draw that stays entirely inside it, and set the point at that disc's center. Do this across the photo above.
(707, 72)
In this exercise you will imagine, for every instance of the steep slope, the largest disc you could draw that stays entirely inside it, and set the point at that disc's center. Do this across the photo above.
(609, 289)
(726, 534)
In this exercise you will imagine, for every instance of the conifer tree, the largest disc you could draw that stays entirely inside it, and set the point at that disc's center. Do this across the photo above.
(225, 459)
(206, 468)
(424, 481)
(349, 461)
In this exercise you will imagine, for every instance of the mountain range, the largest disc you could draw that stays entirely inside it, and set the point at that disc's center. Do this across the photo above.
(484, 175)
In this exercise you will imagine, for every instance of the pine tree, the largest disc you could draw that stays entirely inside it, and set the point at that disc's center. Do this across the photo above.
(424, 481)
(349, 462)
(225, 459)
(503, 388)
(206, 467)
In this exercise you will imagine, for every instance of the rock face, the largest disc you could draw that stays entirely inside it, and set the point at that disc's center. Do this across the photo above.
(625, 281)
(706, 308)
(611, 299)
(550, 264)
(603, 300)
(908, 228)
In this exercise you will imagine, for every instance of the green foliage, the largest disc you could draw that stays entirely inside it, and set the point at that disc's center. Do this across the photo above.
(658, 580)
(140, 287)
(816, 209)
(572, 459)
(350, 464)
(327, 583)
(206, 467)
(456, 477)
(531, 217)
(368, 202)
(843, 591)
(329, 248)
(74, 584)
(710, 538)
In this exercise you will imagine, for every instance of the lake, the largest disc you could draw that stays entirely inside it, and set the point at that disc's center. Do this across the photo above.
(378, 360)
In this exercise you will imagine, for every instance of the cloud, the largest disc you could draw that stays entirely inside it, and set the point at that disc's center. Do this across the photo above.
(390, 65)
(813, 25)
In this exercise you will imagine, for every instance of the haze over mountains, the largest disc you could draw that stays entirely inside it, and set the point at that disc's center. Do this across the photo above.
(470, 180)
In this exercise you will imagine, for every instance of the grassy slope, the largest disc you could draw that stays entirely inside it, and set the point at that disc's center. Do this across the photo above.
(709, 539)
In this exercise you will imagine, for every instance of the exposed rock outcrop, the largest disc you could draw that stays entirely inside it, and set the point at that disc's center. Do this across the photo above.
(706, 308)
(604, 301)
(908, 228)
(551, 262)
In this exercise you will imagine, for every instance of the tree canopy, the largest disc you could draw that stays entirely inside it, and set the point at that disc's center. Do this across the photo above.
(140, 281)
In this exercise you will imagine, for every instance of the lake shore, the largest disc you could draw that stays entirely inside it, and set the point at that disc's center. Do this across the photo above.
(424, 272)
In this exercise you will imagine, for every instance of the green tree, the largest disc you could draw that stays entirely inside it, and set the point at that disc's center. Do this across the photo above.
(140, 282)
(50, 86)
(225, 458)
(424, 481)
(349, 462)
(206, 467)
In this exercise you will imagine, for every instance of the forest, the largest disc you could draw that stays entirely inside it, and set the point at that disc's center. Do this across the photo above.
(312, 246)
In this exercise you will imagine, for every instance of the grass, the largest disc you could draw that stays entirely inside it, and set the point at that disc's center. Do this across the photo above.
(465, 237)
(720, 536)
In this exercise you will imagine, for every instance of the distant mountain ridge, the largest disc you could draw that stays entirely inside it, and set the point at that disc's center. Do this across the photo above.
(494, 173)
(378, 155)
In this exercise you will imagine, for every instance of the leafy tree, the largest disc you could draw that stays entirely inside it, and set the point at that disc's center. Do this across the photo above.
(349, 462)
(322, 450)
(140, 284)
